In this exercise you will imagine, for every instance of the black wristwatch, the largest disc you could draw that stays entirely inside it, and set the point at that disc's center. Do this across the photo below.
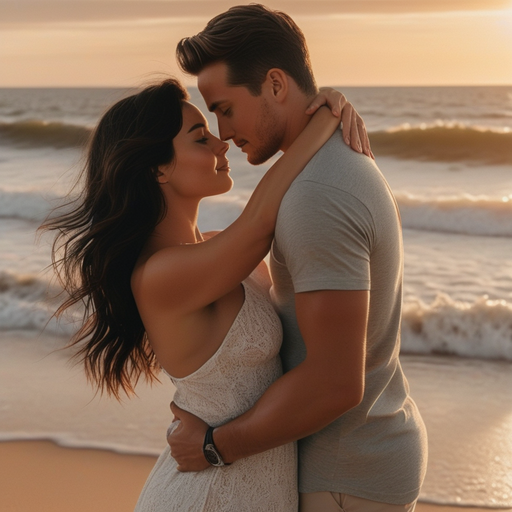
(211, 454)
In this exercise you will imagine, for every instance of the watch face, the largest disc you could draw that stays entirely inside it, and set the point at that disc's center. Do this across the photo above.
(212, 456)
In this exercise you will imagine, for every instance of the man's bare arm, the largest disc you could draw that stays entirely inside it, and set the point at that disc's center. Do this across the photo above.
(328, 383)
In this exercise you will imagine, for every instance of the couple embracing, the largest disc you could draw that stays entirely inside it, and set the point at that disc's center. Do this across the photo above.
(308, 353)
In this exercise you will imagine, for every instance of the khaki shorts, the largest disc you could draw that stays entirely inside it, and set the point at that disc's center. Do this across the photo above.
(337, 502)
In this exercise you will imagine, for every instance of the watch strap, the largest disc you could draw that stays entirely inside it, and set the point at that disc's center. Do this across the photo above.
(208, 442)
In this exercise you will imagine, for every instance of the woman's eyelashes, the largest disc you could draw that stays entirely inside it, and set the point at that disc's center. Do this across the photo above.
(202, 140)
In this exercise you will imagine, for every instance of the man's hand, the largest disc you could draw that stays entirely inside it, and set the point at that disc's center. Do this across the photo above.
(354, 129)
(186, 441)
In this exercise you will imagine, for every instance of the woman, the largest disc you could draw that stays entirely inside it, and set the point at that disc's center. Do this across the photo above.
(157, 289)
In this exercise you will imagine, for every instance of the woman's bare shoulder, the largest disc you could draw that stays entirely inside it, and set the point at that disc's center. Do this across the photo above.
(152, 270)
(190, 277)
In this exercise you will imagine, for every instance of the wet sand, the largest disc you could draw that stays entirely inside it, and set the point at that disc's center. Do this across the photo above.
(41, 476)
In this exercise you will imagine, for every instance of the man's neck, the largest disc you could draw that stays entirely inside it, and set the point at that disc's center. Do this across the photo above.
(297, 120)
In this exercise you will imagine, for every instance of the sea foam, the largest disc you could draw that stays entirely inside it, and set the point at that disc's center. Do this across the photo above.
(465, 214)
(28, 302)
(482, 329)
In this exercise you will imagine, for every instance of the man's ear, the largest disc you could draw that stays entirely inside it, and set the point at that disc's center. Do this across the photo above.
(277, 82)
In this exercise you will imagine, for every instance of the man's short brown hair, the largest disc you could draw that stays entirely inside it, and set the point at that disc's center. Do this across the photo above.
(250, 39)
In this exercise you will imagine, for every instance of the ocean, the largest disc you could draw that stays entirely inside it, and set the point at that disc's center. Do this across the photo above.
(447, 155)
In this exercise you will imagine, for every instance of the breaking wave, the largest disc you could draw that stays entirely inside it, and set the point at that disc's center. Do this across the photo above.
(445, 142)
(465, 214)
(37, 133)
(27, 302)
(441, 141)
(482, 329)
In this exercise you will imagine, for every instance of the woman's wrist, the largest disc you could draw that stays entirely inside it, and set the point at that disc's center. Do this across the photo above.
(319, 129)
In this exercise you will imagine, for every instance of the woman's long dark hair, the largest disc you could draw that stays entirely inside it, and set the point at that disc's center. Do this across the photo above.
(98, 242)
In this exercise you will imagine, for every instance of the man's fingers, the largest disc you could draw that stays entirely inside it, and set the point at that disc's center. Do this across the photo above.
(176, 411)
(183, 469)
(172, 427)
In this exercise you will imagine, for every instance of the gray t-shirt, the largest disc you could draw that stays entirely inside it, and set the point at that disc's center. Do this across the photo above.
(339, 229)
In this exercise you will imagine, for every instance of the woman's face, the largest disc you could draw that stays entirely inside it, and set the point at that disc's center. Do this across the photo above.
(200, 167)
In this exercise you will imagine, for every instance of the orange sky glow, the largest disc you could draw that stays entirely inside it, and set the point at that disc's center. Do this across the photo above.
(352, 42)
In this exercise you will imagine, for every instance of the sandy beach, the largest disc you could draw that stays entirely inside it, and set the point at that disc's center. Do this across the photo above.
(39, 475)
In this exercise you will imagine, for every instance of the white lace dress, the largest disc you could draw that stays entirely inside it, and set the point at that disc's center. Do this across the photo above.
(227, 385)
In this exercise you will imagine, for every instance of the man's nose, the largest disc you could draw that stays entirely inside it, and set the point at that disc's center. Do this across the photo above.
(225, 130)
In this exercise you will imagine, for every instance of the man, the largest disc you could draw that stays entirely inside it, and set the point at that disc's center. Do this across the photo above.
(336, 265)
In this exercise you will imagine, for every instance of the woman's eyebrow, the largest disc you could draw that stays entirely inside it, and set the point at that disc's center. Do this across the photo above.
(196, 126)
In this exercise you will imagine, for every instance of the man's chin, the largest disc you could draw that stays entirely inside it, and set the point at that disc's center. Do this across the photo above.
(258, 158)
(255, 161)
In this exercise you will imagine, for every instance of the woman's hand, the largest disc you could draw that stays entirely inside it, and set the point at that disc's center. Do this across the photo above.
(354, 129)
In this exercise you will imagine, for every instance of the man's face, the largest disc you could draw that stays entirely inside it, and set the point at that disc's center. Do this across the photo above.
(251, 121)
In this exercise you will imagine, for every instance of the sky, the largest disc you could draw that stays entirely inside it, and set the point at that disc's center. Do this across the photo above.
(51, 43)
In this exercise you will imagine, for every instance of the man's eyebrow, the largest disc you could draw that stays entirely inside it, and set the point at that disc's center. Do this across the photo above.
(196, 126)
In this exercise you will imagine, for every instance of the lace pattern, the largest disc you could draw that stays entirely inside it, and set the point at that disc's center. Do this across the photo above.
(227, 385)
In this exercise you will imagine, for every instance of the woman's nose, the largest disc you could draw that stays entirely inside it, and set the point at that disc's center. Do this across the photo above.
(221, 147)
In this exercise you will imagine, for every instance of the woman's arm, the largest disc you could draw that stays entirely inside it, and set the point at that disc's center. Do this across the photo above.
(187, 278)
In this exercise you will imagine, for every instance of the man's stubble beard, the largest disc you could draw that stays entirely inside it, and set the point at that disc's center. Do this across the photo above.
(269, 135)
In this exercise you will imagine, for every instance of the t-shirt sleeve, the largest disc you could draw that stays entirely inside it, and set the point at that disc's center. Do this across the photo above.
(325, 236)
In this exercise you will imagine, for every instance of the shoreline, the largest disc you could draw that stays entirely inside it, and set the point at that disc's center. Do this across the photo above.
(44, 401)
(41, 475)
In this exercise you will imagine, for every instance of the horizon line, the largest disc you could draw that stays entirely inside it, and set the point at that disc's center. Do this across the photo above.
(195, 86)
